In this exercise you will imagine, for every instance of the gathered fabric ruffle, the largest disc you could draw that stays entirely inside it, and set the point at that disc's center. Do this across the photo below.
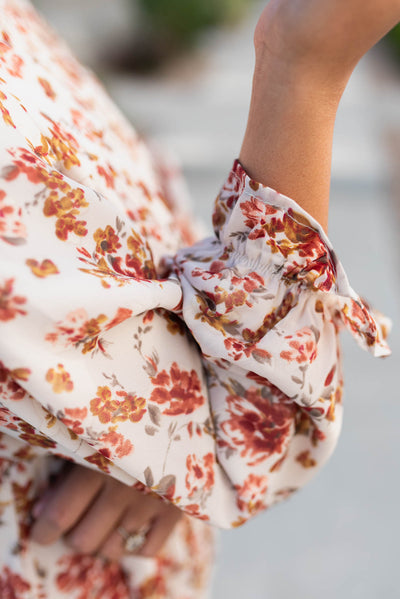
(270, 291)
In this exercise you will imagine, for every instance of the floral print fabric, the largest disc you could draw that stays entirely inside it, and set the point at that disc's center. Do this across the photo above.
(207, 373)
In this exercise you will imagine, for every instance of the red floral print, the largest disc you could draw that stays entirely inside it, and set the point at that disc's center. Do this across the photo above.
(251, 494)
(302, 347)
(108, 173)
(12, 585)
(81, 331)
(48, 90)
(121, 447)
(73, 419)
(91, 578)
(12, 228)
(204, 374)
(255, 213)
(258, 426)
(200, 473)
(10, 305)
(180, 389)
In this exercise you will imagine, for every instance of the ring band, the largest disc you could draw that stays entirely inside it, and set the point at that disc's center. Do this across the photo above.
(134, 540)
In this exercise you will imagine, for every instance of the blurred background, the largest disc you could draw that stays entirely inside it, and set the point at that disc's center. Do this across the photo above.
(181, 71)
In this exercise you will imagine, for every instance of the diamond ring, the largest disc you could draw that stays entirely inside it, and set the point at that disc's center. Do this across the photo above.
(134, 540)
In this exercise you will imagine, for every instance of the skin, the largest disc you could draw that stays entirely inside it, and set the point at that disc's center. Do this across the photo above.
(86, 507)
(306, 51)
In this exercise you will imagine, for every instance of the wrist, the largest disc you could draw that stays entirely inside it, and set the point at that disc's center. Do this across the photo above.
(287, 72)
(287, 144)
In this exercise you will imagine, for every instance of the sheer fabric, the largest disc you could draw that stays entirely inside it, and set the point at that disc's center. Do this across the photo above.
(206, 372)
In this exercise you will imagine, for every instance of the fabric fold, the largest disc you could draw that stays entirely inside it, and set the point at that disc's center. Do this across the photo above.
(209, 374)
(270, 291)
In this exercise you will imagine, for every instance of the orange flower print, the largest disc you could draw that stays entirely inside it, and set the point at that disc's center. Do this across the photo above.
(59, 379)
(140, 260)
(9, 388)
(103, 405)
(305, 459)
(11, 226)
(21, 374)
(100, 461)
(355, 314)
(23, 499)
(336, 398)
(42, 269)
(4, 210)
(29, 434)
(10, 305)
(208, 314)
(7, 420)
(62, 200)
(107, 241)
(13, 62)
(180, 389)
(48, 90)
(153, 587)
(303, 347)
(107, 260)
(121, 315)
(4, 112)
(108, 173)
(113, 409)
(64, 146)
(80, 331)
(66, 208)
(305, 425)
(193, 509)
(250, 495)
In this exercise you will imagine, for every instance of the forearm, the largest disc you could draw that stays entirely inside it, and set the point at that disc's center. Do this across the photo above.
(305, 53)
(288, 141)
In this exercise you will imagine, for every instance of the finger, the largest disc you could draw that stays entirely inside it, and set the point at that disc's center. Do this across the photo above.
(65, 503)
(134, 519)
(159, 532)
(101, 518)
(54, 479)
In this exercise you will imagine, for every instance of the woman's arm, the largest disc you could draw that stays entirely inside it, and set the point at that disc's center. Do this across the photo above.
(104, 373)
(305, 53)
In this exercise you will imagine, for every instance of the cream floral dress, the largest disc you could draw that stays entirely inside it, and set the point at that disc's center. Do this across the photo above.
(206, 372)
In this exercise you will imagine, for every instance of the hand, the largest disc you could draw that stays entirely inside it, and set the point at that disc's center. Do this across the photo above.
(86, 508)
(328, 36)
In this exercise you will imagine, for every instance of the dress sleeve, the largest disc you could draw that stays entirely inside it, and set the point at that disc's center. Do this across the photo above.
(218, 387)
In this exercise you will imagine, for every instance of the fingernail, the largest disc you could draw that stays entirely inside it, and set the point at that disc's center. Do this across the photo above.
(38, 508)
(44, 532)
